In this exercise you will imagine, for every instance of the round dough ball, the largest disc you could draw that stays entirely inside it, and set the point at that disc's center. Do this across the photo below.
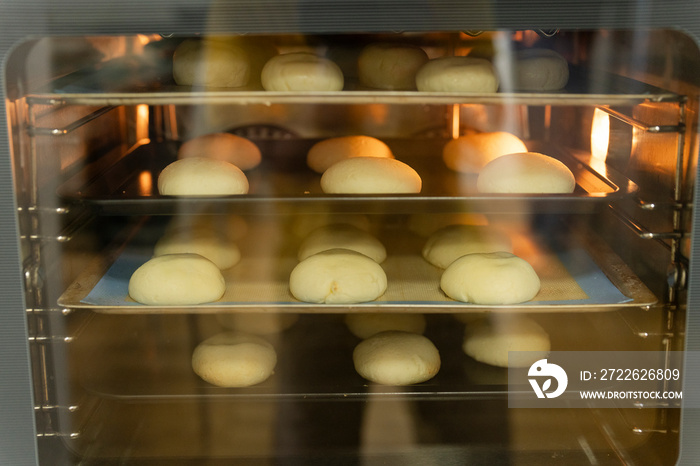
(206, 243)
(490, 340)
(540, 70)
(390, 66)
(337, 276)
(301, 71)
(454, 241)
(342, 236)
(197, 176)
(490, 278)
(470, 153)
(527, 172)
(228, 147)
(370, 175)
(233, 359)
(259, 50)
(177, 279)
(364, 325)
(457, 74)
(325, 153)
(210, 63)
(396, 358)
(258, 323)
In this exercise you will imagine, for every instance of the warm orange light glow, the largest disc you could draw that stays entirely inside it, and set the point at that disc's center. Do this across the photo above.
(600, 134)
(145, 183)
(142, 123)
(455, 121)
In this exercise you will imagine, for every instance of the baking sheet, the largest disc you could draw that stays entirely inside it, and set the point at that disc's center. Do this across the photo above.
(570, 280)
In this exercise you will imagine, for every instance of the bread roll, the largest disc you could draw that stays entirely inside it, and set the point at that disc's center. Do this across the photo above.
(337, 276)
(301, 71)
(228, 147)
(342, 236)
(470, 153)
(233, 359)
(206, 243)
(396, 358)
(527, 172)
(196, 176)
(210, 63)
(489, 341)
(454, 241)
(370, 175)
(325, 153)
(457, 74)
(365, 324)
(540, 70)
(390, 66)
(177, 279)
(490, 278)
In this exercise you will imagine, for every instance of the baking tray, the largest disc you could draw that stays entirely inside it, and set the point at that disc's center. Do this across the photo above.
(574, 277)
(283, 183)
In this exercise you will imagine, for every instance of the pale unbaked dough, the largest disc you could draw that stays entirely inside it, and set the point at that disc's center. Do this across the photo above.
(370, 175)
(301, 71)
(197, 176)
(228, 147)
(206, 243)
(365, 324)
(470, 153)
(457, 74)
(527, 172)
(390, 66)
(540, 70)
(325, 153)
(454, 241)
(210, 63)
(233, 359)
(490, 339)
(337, 276)
(258, 323)
(177, 279)
(342, 236)
(396, 358)
(490, 278)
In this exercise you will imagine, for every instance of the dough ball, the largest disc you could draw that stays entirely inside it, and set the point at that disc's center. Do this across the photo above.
(210, 63)
(230, 148)
(228, 227)
(337, 276)
(457, 74)
(540, 70)
(490, 278)
(364, 325)
(489, 341)
(470, 153)
(454, 241)
(527, 172)
(233, 359)
(258, 323)
(301, 71)
(259, 50)
(177, 279)
(325, 153)
(370, 175)
(390, 66)
(206, 243)
(197, 176)
(342, 236)
(396, 358)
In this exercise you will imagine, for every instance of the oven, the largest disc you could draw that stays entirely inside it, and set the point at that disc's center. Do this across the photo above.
(97, 106)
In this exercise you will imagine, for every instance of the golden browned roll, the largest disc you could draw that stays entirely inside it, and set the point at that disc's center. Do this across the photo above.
(196, 176)
(457, 74)
(390, 66)
(301, 71)
(237, 150)
(527, 172)
(370, 175)
(470, 153)
(325, 153)
(210, 63)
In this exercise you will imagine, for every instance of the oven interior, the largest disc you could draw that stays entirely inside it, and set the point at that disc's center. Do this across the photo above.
(93, 120)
